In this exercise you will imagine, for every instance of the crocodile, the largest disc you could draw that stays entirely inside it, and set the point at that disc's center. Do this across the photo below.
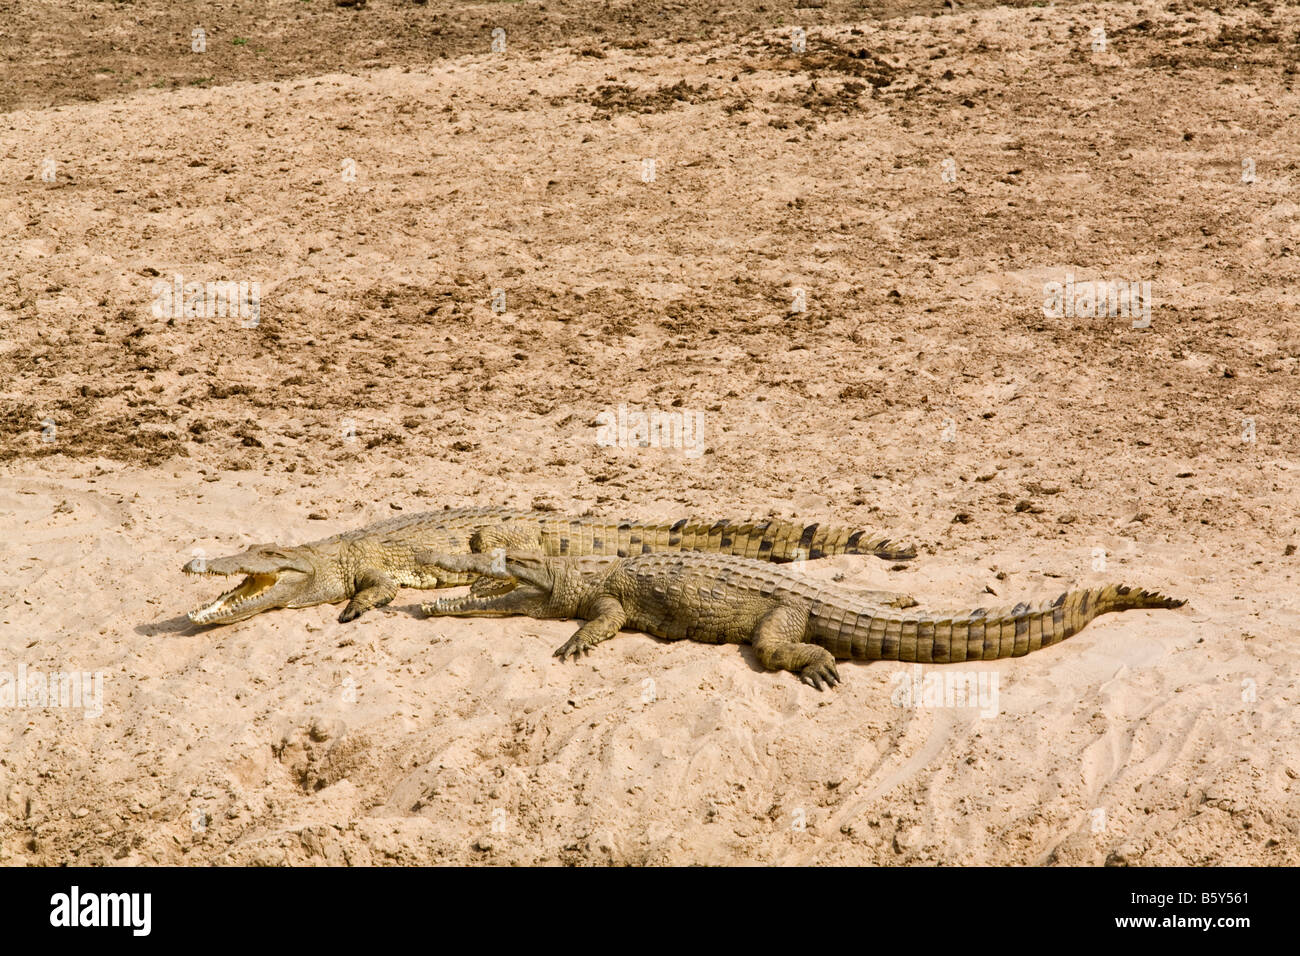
(794, 623)
(366, 567)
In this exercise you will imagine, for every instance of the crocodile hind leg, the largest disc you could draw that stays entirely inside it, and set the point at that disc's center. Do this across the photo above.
(778, 642)
(609, 620)
(374, 589)
(507, 536)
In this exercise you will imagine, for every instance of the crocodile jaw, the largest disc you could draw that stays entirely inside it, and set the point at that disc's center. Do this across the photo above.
(502, 599)
(259, 591)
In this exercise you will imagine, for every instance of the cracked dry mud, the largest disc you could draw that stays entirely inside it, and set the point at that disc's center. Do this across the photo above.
(922, 390)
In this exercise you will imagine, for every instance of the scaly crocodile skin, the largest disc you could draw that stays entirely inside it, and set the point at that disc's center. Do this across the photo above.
(367, 566)
(793, 623)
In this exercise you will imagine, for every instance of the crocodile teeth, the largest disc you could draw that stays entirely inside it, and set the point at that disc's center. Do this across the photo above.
(451, 605)
(444, 604)
(229, 602)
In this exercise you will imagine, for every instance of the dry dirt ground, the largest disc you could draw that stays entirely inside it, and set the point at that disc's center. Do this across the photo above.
(837, 261)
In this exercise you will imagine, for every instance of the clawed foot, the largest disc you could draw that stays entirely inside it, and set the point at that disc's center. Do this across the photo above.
(574, 647)
(824, 672)
(354, 609)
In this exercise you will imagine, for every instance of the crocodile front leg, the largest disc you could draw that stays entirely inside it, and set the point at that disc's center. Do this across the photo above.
(374, 589)
(608, 621)
(778, 641)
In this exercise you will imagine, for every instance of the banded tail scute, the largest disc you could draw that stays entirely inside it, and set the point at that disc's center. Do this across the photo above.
(984, 634)
(770, 540)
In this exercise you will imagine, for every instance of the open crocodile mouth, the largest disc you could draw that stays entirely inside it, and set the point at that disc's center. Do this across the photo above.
(500, 598)
(247, 597)
(484, 586)
(457, 605)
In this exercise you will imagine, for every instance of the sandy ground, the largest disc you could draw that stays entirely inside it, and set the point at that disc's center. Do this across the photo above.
(921, 389)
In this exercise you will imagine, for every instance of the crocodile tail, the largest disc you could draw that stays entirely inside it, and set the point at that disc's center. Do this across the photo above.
(986, 634)
(815, 541)
(770, 540)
